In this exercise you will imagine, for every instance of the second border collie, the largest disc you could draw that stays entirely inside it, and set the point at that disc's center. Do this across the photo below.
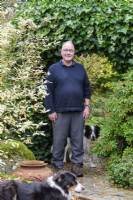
(91, 133)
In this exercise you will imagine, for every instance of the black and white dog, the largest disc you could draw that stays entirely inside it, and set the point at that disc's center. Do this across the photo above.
(91, 133)
(57, 187)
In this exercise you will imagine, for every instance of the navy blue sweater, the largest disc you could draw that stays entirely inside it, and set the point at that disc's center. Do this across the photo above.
(67, 87)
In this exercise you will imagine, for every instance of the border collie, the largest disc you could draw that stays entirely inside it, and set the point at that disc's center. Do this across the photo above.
(57, 187)
(91, 133)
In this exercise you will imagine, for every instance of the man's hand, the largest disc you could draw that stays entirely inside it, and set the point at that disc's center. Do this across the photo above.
(53, 116)
(86, 113)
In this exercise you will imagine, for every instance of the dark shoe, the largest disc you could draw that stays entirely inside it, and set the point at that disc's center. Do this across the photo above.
(77, 169)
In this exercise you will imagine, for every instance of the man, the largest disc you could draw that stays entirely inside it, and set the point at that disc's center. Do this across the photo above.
(68, 103)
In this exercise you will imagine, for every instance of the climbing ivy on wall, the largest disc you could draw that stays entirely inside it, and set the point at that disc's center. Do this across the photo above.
(95, 26)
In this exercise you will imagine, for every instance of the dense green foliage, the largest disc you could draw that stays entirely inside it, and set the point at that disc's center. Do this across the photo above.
(103, 27)
(120, 168)
(118, 126)
(116, 136)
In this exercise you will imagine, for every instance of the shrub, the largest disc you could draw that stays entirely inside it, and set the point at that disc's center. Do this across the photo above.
(101, 75)
(117, 131)
(99, 70)
(118, 123)
(23, 115)
(21, 84)
(120, 169)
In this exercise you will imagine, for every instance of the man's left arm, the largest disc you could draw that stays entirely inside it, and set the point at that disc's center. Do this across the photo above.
(87, 97)
(86, 111)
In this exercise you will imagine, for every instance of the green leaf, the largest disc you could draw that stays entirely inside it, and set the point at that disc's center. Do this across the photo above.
(130, 61)
(123, 30)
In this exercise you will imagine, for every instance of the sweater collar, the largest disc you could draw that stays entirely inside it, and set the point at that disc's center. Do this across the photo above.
(73, 63)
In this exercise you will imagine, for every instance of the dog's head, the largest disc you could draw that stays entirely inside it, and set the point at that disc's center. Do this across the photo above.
(8, 190)
(91, 132)
(67, 181)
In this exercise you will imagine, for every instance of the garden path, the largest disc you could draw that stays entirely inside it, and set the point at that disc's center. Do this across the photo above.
(97, 186)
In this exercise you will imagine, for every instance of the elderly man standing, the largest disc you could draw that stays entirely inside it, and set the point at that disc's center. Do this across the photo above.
(68, 103)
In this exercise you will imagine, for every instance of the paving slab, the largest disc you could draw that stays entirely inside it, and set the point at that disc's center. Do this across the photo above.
(98, 187)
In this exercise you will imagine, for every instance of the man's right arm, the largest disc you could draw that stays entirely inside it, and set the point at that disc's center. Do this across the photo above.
(53, 116)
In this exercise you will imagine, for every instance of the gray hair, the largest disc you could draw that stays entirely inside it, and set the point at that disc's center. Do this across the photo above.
(70, 42)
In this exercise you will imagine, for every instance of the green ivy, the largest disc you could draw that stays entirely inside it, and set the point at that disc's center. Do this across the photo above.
(103, 27)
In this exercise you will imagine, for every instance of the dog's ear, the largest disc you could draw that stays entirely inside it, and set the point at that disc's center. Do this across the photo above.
(87, 131)
(98, 130)
(59, 177)
(56, 176)
(62, 178)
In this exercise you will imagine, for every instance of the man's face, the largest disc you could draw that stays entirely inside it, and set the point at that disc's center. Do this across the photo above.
(68, 52)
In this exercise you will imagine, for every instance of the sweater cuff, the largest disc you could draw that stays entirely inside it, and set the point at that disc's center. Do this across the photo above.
(50, 111)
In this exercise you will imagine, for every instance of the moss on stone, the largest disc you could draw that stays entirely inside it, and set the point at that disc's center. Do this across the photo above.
(13, 148)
